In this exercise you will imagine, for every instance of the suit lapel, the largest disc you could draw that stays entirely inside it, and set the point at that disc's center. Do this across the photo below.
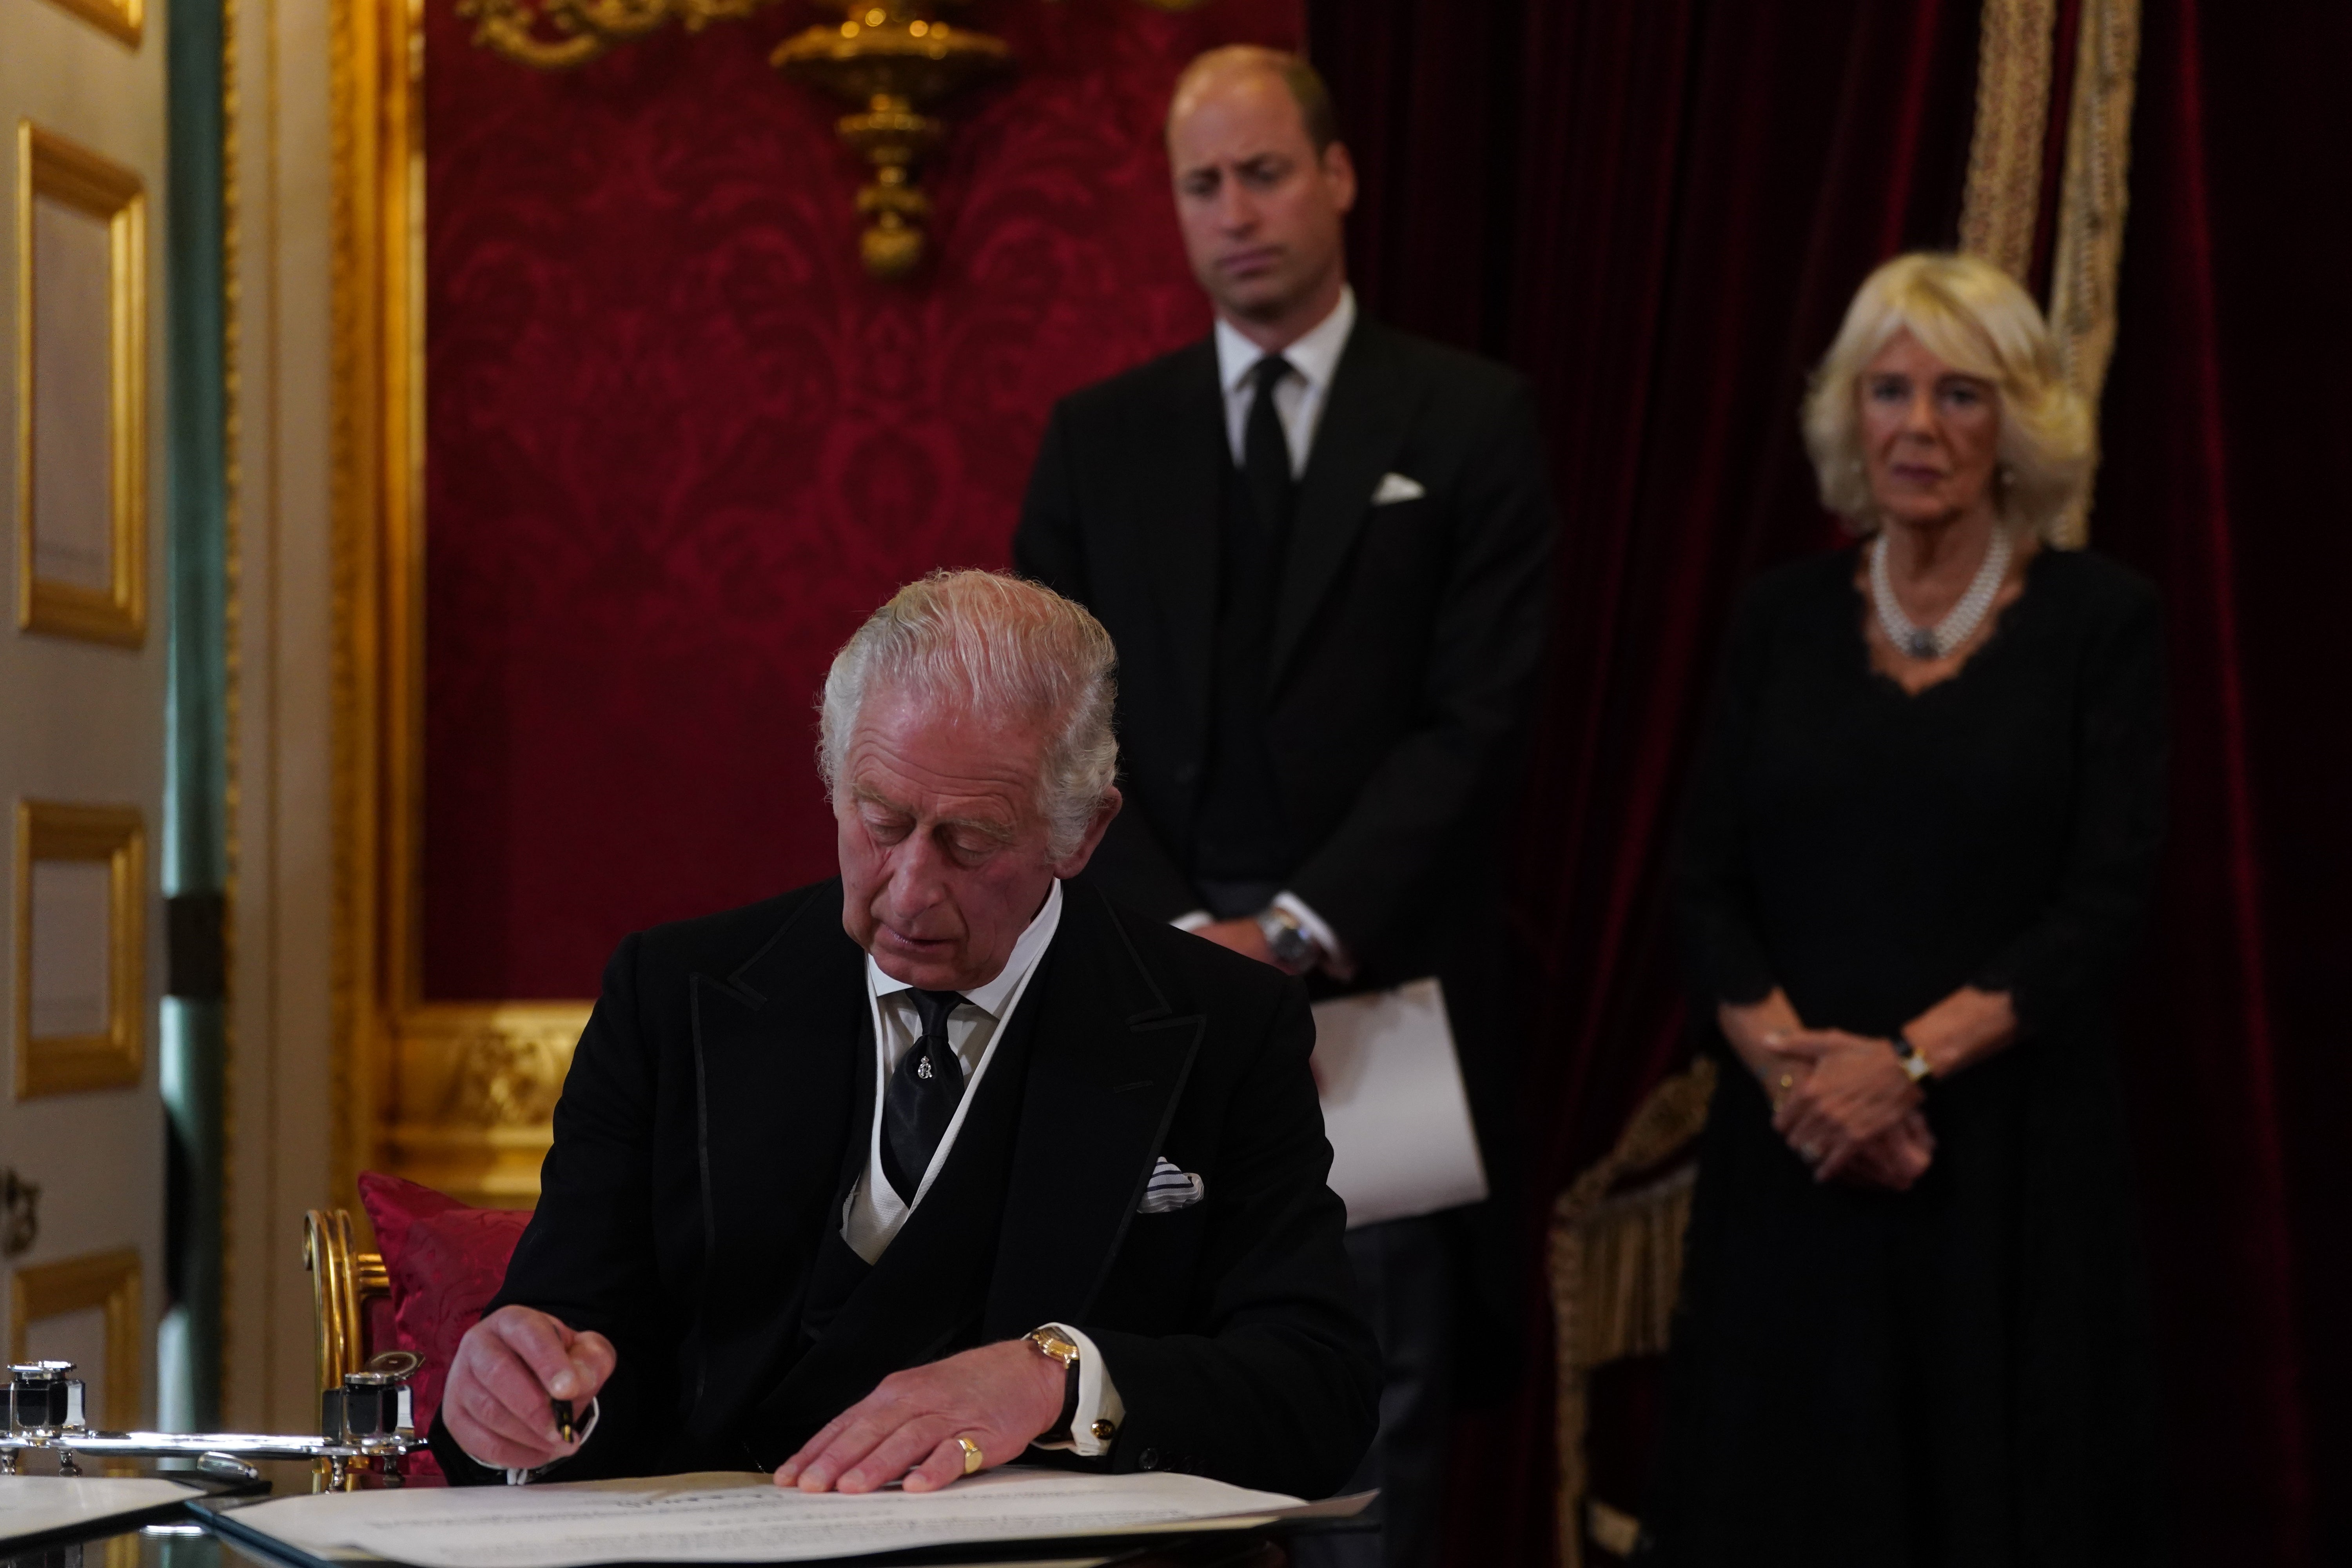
(1184, 444)
(1356, 442)
(780, 1047)
(1110, 1059)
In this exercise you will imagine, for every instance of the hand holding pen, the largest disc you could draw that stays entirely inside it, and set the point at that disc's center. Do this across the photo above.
(518, 1377)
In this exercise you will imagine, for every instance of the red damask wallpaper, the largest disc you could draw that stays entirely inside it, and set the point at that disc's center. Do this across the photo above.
(678, 444)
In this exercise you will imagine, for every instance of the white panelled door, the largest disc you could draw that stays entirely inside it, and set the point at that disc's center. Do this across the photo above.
(82, 657)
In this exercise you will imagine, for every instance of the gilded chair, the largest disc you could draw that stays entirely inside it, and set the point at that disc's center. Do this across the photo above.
(440, 1261)
(350, 1296)
(1616, 1259)
(350, 1301)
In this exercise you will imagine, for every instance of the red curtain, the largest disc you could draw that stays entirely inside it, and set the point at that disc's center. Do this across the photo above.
(2226, 415)
(1659, 212)
(678, 444)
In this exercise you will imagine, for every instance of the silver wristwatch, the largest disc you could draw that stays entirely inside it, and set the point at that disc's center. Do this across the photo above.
(1914, 1061)
(1289, 942)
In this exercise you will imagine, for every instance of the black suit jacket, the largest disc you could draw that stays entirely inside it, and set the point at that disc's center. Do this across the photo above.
(1407, 640)
(718, 1109)
(1407, 635)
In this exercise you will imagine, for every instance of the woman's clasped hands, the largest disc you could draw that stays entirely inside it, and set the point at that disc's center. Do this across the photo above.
(1844, 1104)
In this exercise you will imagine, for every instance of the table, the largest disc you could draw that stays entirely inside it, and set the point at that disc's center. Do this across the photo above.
(194, 1546)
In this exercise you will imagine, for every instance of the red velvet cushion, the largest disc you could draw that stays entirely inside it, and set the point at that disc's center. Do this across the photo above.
(446, 1259)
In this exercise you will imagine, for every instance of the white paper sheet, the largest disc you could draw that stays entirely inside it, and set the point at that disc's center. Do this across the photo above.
(739, 1518)
(1394, 1106)
(32, 1505)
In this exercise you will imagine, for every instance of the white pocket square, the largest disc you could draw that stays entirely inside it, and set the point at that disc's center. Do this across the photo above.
(1396, 488)
(1171, 1189)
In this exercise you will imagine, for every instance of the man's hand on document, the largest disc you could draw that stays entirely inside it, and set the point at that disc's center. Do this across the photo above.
(509, 1370)
(1000, 1397)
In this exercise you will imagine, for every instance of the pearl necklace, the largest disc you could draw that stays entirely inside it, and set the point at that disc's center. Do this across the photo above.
(1940, 640)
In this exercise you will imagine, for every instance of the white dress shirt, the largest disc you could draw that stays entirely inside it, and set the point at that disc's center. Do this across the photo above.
(1298, 399)
(874, 1214)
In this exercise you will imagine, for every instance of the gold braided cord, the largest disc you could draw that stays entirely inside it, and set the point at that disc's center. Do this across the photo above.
(2004, 188)
(2091, 208)
(1615, 1264)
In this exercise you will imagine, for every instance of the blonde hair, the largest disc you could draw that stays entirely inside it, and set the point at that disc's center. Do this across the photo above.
(1974, 317)
(994, 645)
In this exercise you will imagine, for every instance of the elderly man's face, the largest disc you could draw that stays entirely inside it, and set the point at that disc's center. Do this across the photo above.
(944, 854)
(1261, 211)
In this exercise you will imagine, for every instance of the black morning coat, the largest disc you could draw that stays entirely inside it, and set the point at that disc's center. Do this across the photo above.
(718, 1111)
(1407, 639)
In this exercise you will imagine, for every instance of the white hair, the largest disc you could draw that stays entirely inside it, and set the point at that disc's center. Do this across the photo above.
(995, 645)
(1974, 317)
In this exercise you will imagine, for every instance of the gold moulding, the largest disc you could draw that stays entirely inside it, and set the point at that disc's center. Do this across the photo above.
(556, 34)
(894, 64)
(475, 1102)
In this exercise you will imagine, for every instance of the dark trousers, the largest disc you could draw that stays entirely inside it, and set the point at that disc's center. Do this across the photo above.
(1405, 1271)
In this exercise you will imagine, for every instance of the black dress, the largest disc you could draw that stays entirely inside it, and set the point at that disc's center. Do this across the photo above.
(1957, 1374)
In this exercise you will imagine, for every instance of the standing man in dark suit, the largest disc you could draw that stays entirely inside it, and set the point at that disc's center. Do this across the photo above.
(925, 1168)
(1322, 548)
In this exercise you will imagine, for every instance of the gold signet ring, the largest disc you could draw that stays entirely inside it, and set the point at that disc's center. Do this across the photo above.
(971, 1454)
(1788, 1080)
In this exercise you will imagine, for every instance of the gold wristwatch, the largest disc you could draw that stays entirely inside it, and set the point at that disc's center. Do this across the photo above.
(1050, 1344)
(1054, 1347)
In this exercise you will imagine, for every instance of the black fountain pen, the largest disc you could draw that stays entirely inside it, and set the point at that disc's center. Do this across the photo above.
(562, 1412)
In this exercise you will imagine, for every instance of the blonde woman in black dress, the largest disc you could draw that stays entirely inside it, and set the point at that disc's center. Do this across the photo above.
(1924, 828)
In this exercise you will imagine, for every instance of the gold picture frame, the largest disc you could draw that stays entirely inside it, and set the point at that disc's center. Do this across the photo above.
(108, 1280)
(52, 168)
(115, 1057)
(126, 19)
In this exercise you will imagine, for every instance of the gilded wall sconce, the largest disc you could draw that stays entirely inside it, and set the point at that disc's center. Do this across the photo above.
(893, 62)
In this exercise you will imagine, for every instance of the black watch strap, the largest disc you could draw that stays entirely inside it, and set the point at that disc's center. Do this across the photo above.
(1069, 1401)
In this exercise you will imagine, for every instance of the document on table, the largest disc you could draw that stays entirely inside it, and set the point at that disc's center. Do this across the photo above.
(1394, 1105)
(734, 1518)
(37, 1505)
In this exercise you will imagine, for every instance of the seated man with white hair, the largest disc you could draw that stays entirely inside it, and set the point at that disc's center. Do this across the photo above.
(922, 1169)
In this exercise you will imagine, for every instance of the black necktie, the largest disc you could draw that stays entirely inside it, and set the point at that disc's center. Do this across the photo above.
(1265, 453)
(924, 1089)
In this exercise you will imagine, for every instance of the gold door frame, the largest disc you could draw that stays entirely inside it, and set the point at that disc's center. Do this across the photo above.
(455, 1095)
(116, 1056)
(107, 1281)
(53, 168)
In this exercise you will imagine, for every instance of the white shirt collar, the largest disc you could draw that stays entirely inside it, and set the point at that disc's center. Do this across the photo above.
(1315, 356)
(992, 997)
